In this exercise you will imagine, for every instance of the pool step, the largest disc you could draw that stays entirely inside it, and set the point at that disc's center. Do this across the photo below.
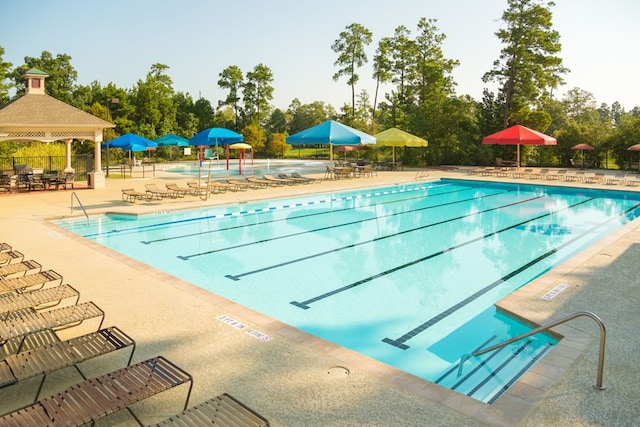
(488, 376)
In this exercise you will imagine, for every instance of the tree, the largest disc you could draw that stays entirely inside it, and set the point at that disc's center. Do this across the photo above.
(61, 80)
(258, 92)
(4, 75)
(155, 111)
(528, 68)
(351, 55)
(231, 78)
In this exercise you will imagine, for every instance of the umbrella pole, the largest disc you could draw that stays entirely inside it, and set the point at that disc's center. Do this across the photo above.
(331, 156)
(518, 156)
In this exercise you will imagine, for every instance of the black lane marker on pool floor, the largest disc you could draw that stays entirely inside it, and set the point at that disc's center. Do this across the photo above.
(328, 227)
(305, 304)
(316, 203)
(237, 277)
(400, 342)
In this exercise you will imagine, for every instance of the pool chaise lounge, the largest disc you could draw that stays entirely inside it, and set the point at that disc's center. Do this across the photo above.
(153, 191)
(10, 256)
(279, 180)
(20, 323)
(22, 267)
(180, 191)
(40, 299)
(223, 411)
(308, 178)
(294, 179)
(96, 398)
(5, 247)
(261, 183)
(130, 195)
(27, 281)
(62, 354)
(243, 186)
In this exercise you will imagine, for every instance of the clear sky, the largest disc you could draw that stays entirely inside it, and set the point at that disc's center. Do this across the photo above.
(118, 41)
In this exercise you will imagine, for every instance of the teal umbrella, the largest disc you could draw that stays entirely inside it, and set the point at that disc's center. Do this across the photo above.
(172, 139)
(332, 133)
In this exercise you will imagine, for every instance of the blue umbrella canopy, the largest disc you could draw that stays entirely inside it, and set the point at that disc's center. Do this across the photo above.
(129, 140)
(215, 136)
(172, 139)
(330, 132)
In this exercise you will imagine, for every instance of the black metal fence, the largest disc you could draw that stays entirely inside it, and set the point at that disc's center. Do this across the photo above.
(81, 163)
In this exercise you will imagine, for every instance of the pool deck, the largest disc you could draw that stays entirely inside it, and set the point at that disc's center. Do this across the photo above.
(295, 379)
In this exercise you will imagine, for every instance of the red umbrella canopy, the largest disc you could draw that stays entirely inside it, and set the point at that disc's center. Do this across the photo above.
(344, 148)
(634, 148)
(582, 147)
(518, 134)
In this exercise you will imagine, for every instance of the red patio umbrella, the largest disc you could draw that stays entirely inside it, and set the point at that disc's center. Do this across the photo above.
(345, 148)
(518, 134)
(582, 147)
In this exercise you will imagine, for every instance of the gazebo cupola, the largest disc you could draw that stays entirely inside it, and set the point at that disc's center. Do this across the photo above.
(35, 81)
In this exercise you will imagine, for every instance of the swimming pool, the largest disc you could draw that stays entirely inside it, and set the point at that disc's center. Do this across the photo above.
(405, 274)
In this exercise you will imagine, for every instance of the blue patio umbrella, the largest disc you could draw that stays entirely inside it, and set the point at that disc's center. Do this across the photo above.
(131, 142)
(172, 139)
(332, 133)
(215, 136)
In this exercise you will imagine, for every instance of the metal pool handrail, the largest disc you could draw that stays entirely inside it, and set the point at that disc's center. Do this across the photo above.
(73, 194)
(603, 336)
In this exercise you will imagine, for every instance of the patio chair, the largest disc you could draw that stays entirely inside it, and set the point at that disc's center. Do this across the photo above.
(179, 191)
(40, 299)
(223, 410)
(96, 398)
(11, 257)
(35, 182)
(5, 183)
(67, 179)
(153, 191)
(280, 180)
(20, 284)
(22, 267)
(24, 322)
(63, 354)
(130, 195)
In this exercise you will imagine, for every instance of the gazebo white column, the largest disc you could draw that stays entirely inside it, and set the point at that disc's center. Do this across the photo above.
(96, 178)
(67, 156)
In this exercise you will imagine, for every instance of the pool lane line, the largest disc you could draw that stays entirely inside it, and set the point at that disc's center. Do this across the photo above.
(272, 221)
(237, 277)
(305, 304)
(400, 342)
(268, 209)
(327, 227)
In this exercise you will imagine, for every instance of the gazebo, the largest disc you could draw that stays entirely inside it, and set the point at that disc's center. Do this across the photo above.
(36, 116)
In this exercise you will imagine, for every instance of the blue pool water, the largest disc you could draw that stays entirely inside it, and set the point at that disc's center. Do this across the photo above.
(406, 274)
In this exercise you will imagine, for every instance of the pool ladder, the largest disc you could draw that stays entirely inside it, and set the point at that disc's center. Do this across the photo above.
(603, 336)
(73, 194)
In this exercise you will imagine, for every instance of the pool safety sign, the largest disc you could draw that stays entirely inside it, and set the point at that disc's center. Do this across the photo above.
(555, 291)
(241, 326)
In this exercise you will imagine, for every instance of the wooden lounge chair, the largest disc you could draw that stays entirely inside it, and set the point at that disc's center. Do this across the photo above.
(96, 398)
(153, 191)
(197, 188)
(5, 247)
(261, 183)
(40, 299)
(221, 187)
(22, 267)
(29, 281)
(130, 195)
(11, 256)
(24, 322)
(280, 180)
(179, 191)
(224, 410)
(62, 354)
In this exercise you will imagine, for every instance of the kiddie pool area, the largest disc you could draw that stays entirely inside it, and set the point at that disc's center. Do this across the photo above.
(405, 274)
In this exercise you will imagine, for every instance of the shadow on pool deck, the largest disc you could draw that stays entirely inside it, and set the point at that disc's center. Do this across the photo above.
(290, 379)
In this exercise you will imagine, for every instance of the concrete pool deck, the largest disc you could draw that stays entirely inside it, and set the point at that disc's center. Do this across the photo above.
(298, 380)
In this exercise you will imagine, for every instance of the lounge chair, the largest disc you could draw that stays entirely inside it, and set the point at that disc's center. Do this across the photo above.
(24, 322)
(221, 187)
(10, 257)
(244, 186)
(40, 299)
(280, 180)
(23, 267)
(153, 191)
(130, 195)
(196, 187)
(22, 283)
(5, 247)
(62, 354)
(308, 178)
(96, 398)
(261, 183)
(295, 180)
(179, 191)
(223, 410)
